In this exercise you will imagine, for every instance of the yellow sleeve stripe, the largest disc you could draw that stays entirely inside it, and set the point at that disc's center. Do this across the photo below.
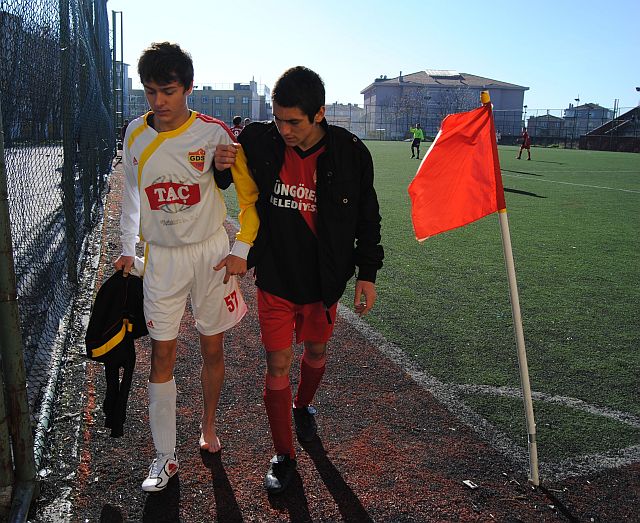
(247, 192)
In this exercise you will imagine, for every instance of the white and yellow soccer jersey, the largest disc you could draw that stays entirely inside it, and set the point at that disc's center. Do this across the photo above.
(170, 196)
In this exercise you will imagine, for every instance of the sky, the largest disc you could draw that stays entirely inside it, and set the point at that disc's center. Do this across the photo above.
(560, 49)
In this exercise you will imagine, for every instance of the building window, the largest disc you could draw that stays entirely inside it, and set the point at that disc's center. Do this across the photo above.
(191, 100)
(218, 99)
(232, 99)
(205, 99)
(245, 99)
(217, 113)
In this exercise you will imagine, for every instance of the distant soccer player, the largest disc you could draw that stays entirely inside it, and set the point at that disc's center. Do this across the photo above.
(526, 144)
(237, 126)
(171, 200)
(418, 136)
(319, 220)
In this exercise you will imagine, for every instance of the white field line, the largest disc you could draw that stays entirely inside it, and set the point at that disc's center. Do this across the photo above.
(608, 171)
(449, 396)
(591, 463)
(570, 183)
(616, 415)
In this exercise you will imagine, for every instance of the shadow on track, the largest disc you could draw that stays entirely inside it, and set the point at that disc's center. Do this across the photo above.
(227, 508)
(348, 503)
(293, 500)
(163, 506)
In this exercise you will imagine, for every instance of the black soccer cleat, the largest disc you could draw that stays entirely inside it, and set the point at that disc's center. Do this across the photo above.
(305, 421)
(280, 473)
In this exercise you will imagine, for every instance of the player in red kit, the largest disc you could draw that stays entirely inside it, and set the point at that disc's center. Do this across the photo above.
(237, 126)
(319, 221)
(526, 144)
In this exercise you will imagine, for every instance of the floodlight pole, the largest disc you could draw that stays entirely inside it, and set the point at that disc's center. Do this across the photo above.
(517, 321)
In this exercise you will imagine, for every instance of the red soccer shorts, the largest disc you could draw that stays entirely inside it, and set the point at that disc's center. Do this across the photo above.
(279, 318)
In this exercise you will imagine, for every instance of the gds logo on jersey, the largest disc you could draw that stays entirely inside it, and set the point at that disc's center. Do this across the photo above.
(196, 158)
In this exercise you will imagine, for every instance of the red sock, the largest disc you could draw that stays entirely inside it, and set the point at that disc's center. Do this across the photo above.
(277, 400)
(311, 372)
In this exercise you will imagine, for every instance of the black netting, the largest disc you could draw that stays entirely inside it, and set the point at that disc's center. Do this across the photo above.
(55, 86)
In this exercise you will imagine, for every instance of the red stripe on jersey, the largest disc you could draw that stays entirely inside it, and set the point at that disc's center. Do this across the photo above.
(210, 119)
(207, 118)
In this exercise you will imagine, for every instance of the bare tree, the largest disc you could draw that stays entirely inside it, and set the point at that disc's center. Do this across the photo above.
(410, 107)
(455, 100)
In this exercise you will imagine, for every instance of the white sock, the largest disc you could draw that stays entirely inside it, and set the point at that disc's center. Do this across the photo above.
(162, 416)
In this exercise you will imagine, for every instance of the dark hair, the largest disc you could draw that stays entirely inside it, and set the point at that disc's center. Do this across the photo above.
(300, 87)
(237, 120)
(164, 63)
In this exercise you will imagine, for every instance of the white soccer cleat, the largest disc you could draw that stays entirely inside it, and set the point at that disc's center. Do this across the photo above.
(160, 472)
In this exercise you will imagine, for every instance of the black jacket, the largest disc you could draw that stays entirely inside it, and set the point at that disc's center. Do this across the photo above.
(348, 214)
(117, 318)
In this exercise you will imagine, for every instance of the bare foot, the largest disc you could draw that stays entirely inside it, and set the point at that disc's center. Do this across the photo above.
(209, 440)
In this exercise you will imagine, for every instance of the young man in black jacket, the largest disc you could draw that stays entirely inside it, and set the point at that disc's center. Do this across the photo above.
(319, 220)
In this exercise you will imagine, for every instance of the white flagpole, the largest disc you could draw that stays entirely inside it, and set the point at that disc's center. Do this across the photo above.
(519, 333)
(522, 353)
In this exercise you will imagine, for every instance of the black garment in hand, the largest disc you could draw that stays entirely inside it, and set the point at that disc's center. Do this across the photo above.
(117, 394)
(117, 318)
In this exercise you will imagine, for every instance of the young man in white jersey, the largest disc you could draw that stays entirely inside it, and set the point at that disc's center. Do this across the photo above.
(319, 220)
(172, 203)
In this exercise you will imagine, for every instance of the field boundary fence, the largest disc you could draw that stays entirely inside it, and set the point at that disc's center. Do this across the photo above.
(59, 142)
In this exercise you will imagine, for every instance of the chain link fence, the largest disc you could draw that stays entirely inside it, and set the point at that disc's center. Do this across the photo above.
(56, 100)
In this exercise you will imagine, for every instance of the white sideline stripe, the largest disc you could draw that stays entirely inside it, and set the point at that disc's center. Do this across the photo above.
(559, 171)
(591, 463)
(570, 183)
(448, 395)
(578, 404)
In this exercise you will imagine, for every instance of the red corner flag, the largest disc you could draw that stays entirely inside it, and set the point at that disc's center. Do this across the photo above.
(459, 179)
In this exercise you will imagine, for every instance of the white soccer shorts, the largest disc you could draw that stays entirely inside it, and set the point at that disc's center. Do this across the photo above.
(172, 273)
